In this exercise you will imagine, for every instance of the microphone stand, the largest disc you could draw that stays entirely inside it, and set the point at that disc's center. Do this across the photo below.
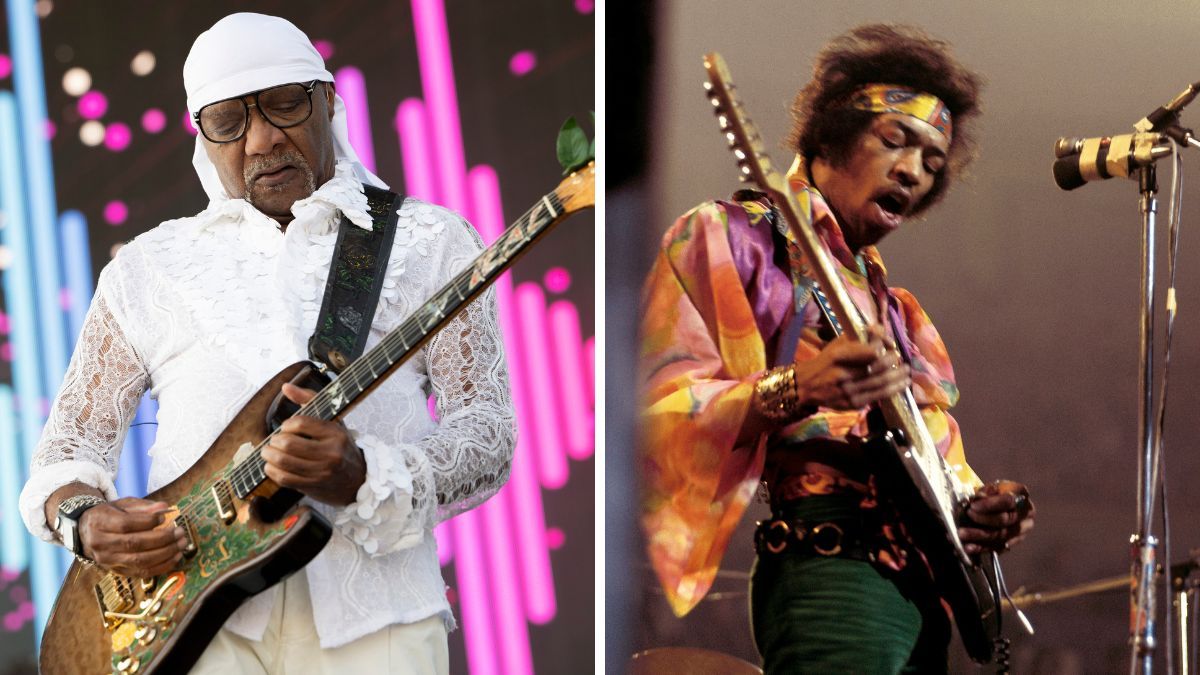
(1143, 544)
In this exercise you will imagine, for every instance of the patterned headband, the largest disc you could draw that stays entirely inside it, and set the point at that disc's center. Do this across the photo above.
(897, 98)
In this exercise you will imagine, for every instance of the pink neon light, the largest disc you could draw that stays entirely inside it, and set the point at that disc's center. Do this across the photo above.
(505, 584)
(64, 299)
(92, 105)
(5, 66)
(117, 136)
(557, 280)
(488, 216)
(529, 516)
(555, 538)
(6, 352)
(529, 523)
(115, 212)
(187, 123)
(589, 349)
(437, 82)
(478, 631)
(154, 120)
(325, 49)
(585, 6)
(444, 534)
(531, 310)
(415, 150)
(434, 166)
(353, 90)
(578, 418)
(4, 328)
(49, 129)
(522, 62)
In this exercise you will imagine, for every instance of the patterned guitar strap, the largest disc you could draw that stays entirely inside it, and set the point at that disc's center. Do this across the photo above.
(356, 276)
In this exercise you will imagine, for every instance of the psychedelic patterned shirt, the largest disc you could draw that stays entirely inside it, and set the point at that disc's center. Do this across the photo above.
(719, 309)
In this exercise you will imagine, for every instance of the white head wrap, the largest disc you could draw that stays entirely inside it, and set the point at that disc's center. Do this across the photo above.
(247, 52)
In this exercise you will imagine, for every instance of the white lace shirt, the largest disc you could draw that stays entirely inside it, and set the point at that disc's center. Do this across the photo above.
(204, 310)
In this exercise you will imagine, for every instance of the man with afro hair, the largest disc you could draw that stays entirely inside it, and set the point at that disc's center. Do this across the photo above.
(748, 387)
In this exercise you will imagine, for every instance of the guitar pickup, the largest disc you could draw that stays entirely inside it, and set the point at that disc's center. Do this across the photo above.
(189, 533)
(222, 495)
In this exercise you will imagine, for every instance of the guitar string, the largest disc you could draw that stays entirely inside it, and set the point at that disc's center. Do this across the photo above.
(248, 469)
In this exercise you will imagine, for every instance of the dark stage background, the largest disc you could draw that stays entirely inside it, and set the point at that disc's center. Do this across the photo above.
(518, 70)
(1034, 290)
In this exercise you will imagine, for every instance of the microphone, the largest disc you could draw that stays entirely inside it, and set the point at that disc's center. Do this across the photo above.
(1168, 114)
(1082, 160)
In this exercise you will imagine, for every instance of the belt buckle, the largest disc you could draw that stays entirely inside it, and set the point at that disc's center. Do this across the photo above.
(819, 546)
(775, 545)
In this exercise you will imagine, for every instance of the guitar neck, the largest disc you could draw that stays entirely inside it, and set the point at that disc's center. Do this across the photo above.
(369, 370)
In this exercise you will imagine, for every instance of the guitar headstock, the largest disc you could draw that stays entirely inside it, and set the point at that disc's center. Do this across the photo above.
(754, 164)
(578, 190)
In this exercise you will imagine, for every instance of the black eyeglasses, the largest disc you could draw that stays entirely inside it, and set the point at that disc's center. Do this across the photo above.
(286, 105)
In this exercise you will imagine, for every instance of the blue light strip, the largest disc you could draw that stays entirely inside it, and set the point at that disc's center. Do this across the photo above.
(14, 545)
(46, 570)
(30, 87)
(134, 470)
(77, 267)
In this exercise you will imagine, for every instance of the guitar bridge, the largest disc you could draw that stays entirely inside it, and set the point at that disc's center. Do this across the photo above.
(222, 495)
(115, 594)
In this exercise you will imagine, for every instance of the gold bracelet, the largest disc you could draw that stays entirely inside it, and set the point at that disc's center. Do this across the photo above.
(778, 399)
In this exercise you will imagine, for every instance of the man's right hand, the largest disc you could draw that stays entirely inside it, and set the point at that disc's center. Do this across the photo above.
(848, 374)
(128, 537)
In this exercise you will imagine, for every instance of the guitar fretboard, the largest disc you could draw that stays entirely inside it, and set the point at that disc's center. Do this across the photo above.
(368, 370)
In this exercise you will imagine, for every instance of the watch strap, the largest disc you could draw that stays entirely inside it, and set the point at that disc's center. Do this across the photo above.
(72, 508)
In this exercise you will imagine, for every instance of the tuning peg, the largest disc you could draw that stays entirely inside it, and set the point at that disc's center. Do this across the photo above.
(716, 102)
(723, 121)
(745, 170)
(731, 139)
(708, 86)
(739, 154)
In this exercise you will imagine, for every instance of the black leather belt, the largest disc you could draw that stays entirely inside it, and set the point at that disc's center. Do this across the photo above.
(830, 539)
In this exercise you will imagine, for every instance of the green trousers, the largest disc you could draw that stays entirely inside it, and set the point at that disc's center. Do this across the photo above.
(813, 614)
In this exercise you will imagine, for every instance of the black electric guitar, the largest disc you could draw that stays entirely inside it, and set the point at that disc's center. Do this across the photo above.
(916, 477)
(246, 533)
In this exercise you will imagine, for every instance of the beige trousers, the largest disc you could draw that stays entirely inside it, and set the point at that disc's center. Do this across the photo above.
(290, 646)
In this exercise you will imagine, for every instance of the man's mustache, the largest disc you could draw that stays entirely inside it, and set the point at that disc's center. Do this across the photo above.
(270, 164)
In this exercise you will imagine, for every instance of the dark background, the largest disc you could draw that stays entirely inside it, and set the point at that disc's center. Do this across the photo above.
(1035, 291)
(508, 122)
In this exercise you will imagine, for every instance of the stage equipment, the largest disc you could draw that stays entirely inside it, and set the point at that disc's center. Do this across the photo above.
(1122, 155)
(688, 661)
(1185, 592)
(1082, 160)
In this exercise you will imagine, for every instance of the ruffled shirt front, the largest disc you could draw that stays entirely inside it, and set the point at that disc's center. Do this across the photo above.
(202, 311)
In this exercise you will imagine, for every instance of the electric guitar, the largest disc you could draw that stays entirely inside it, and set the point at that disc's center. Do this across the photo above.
(245, 532)
(916, 477)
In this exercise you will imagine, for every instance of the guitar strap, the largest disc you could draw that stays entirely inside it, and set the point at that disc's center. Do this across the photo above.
(356, 276)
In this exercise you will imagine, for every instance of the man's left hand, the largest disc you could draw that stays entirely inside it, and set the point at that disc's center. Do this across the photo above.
(1000, 515)
(316, 457)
